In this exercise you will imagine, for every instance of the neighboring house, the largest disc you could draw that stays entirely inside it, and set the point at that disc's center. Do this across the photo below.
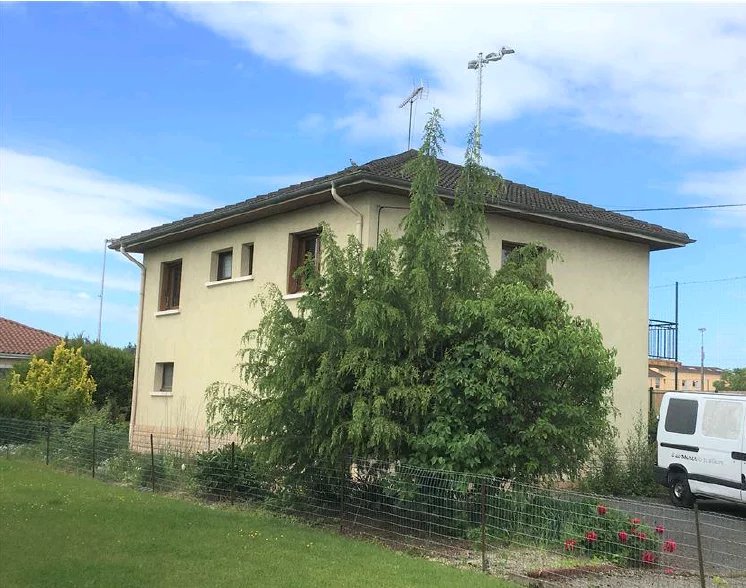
(662, 375)
(201, 272)
(19, 342)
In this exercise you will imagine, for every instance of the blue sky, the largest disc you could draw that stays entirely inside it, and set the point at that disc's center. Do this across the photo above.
(115, 118)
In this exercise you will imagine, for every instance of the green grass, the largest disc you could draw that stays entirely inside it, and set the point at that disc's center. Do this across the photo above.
(60, 530)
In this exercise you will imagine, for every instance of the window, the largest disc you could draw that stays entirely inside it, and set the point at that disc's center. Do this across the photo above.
(170, 285)
(225, 265)
(657, 382)
(508, 248)
(683, 383)
(722, 419)
(164, 376)
(681, 416)
(302, 246)
(247, 259)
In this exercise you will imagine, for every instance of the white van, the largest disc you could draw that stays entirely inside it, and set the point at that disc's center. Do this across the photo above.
(702, 446)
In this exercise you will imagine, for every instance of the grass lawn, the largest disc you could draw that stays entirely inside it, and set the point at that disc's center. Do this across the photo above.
(61, 530)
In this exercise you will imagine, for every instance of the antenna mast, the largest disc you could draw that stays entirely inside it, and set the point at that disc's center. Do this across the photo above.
(416, 93)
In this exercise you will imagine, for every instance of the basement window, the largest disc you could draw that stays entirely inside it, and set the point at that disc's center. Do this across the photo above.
(164, 376)
(305, 245)
(170, 285)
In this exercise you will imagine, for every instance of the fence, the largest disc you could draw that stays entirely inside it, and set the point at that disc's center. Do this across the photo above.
(537, 534)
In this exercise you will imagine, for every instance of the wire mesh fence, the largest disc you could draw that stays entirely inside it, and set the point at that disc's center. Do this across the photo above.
(538, 534)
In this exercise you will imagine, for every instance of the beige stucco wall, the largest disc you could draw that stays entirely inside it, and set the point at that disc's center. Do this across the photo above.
(604, 279)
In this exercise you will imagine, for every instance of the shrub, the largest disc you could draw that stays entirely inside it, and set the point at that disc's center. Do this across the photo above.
(216, 474)
(75, 446)
(625, 472)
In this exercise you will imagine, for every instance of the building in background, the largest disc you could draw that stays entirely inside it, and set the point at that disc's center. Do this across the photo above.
(662, 376)
(18, 342)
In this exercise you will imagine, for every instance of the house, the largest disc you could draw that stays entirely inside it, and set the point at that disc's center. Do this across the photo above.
(199, 274)
(18, 342)
(662, 375)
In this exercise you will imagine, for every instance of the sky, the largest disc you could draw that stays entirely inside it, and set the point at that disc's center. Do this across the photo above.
(119, 117)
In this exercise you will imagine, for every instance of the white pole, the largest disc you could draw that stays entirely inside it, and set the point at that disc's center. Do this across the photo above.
(101, 295)
(480, 63)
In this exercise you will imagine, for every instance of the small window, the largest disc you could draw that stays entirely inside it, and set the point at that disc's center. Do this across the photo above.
(508, 248)
(722, 419)
(681, 416)
(247, 259)
(170, 285)
(303, 246)
(657, 382)
(683, 383)
(222, 265)
(164, 376)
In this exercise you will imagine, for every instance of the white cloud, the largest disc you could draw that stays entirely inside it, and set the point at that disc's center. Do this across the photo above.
(76, 306)
(724, 187)
(53, 210)
(669, 72)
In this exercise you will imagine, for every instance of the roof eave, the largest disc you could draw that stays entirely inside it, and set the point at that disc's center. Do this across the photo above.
(355, 182)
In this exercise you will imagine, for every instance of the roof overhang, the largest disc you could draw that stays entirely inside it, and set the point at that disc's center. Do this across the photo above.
(353, 183)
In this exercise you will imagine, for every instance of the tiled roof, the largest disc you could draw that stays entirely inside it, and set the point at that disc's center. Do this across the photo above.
(533, 200)
(518, 198)
(19, 339)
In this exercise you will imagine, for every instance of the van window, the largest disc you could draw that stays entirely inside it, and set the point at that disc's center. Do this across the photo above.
(681, 416)
(722, 419)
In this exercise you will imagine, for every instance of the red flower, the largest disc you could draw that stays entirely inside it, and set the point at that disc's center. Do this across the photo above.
(634, 522)
(660, 529)
(668, 571)
(669, 545)
(648, 557)
(601, 509)
(591, 536)
(569, 544)
(641, 536)
(622, 536)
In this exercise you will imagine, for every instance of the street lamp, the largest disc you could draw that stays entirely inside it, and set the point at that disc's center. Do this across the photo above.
(702, 359)
(478, 64)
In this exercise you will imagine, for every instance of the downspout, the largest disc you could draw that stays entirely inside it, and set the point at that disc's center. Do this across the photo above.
(353, 210)
(133, 410)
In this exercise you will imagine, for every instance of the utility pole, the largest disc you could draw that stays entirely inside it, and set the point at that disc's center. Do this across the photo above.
(702, 359)
(478, 64)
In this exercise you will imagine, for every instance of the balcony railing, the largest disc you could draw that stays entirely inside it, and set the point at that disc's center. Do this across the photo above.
(662, 339)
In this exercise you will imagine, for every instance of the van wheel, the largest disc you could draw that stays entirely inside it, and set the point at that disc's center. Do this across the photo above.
(681, 495)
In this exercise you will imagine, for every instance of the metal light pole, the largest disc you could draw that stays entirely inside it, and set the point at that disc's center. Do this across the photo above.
(702, 359)
(478, 64)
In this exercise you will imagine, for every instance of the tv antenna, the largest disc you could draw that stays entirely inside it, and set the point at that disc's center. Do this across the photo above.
(416, 93)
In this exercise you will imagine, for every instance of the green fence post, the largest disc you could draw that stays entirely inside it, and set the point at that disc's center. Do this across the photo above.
(483, 525)
(46, 459)
(93, 462)
(152, 464)
(233, 469)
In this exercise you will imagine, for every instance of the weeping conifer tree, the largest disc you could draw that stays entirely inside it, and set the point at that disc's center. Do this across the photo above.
(416, 350)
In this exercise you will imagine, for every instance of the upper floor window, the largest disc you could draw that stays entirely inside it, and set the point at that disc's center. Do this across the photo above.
(247, 259)
(306, 245)
(170, 285)
(222, 265)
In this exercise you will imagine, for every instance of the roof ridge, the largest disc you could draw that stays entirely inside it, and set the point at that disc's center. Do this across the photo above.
(2, 318)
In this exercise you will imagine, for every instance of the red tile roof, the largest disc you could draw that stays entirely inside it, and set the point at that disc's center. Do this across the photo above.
(24, 340)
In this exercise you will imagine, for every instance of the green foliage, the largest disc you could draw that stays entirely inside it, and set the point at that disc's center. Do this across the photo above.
(75, 445)
(16, 406)
(59, 389)
(417, 351)
(625, 472)
(219, 475)
(111, 368)
(734, 379)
